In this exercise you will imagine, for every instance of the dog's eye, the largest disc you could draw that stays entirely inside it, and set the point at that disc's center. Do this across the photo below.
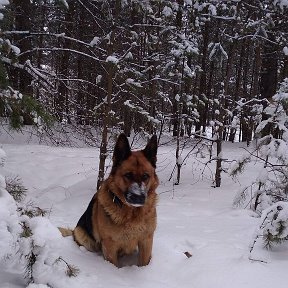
(129, 176)
(145, 176)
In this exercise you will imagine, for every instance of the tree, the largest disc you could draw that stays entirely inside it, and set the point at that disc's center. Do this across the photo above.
(268, 195)
(271, 152)
(20, 11)
(106, 66)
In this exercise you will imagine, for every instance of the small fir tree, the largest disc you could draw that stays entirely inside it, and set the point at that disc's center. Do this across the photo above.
(268, 193)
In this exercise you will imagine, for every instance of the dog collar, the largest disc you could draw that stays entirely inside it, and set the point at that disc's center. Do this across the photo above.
(115, 199)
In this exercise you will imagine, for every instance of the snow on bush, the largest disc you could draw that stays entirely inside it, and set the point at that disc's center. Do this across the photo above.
(33, 240)
(274, 225)
(268, 193)
(9, 225)
(273, 228)
(12, 47)
(39, 241)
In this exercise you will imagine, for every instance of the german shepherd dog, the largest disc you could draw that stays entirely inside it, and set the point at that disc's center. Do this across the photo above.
(121, 217)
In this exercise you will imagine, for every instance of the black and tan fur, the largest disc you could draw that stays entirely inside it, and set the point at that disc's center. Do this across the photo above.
(121, 217)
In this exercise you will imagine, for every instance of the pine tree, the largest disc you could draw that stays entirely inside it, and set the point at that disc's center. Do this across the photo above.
(268, 194)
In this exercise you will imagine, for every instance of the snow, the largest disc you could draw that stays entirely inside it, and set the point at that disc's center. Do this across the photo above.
(2, 5)
(217, 51)
(177, 97)
(95, 41)
(179, 161)
(98, 79)
(167, 11)
(132, 82)
(43, 231)
(263, 176)
(193, 217)
(212, 9)
(112, 59)
(8, 228)
(281, 3)
(124, 3)
(129, 56)
(14, 48)
(285, 50)
(2, 157)
(282, 215)
(127, 103)
(64, 2)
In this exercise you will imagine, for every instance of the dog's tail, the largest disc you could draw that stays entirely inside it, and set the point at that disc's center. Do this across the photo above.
(65, 231)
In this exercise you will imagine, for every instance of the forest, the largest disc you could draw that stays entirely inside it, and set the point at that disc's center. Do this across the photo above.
(145, 65)
(207, 77)
(100, 67)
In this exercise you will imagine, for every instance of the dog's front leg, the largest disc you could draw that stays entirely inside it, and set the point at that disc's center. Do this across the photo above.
(110, 252)
(145, 250)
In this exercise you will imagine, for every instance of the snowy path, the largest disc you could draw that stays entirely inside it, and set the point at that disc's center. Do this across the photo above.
(195, 218)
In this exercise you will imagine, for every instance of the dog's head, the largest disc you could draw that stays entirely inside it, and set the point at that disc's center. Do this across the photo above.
(133, 172)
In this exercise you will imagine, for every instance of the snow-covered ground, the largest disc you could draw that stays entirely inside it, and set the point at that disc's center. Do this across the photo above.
(193, 217)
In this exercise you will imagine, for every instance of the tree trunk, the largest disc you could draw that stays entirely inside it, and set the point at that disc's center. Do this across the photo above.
(219, 158)
(61, 101)
(256, 72)
(178, 157)
(246, 70)
(106, 120)
(203, 79)
(284, 73)
(269, 72)
(268, 78)
(20, 78)
(128, 118)
(239, 69)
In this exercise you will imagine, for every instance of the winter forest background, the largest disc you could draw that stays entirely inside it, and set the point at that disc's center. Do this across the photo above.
(142, 66)
(201, 72)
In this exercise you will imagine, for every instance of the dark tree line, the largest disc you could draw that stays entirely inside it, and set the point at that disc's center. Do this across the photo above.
(139, 60)
(146, 66)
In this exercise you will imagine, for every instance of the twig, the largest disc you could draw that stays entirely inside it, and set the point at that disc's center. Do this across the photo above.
(257, 237)
(264, 160)
(257, 260)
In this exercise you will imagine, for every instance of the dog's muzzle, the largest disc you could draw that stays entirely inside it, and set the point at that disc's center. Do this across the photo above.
(136, 195)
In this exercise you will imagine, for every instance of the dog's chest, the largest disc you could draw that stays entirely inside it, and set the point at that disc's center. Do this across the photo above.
(127, 226)
(129, 235)
(132, 231)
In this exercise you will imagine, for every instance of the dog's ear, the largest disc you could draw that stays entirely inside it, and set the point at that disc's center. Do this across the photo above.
(150, 150)
(122, 150)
